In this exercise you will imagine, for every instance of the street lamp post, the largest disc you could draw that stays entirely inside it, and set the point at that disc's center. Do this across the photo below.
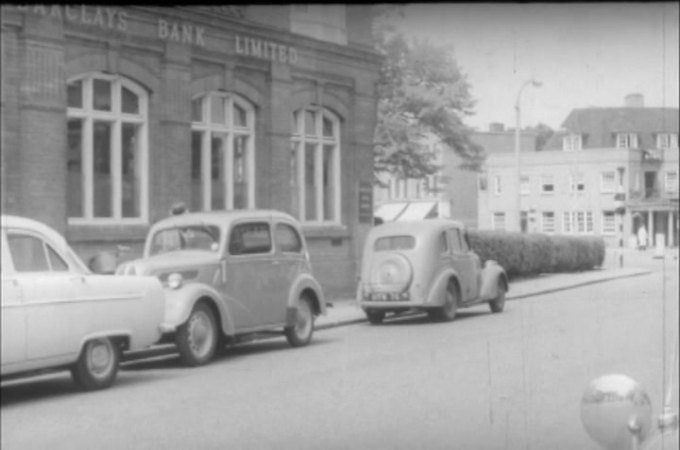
(518, 206)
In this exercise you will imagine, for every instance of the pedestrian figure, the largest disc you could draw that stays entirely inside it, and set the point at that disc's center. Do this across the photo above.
(642, 238)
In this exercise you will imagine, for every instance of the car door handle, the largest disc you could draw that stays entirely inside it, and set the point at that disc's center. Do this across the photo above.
(276, 263)
(79, 278)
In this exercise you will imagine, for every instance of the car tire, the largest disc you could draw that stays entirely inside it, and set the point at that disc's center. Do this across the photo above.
(498, 303)
(301, 333)
(447, 312)
(97, 365)
(197, 337)
(375, 317)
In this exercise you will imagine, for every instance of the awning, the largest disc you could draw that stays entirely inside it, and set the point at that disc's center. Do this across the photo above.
(390, 211)
(418, 211)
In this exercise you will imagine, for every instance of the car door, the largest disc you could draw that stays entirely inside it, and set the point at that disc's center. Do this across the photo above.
(465, 265)
(288, 265)
(48, 292)
(13, 340)
(250, 269)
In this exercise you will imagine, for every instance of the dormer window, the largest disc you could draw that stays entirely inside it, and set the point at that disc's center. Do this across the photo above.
(626, 140)
(572, 143)
(667, 140)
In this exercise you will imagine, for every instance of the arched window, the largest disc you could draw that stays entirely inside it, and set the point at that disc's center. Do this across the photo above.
(315, 165)
(107, 149)
(222, 152)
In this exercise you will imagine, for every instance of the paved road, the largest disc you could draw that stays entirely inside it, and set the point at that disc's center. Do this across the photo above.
(484, 381)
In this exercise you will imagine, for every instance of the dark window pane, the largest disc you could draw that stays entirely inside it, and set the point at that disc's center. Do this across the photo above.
(196, 164)
(130, 102)
(240, 116)
(310, 182)
(197, 109)
(287, 239)
(102, 170)
(217, 173)
(240, 165)
(310, 123)
(250, 238)
(28, 253)
(217, 110)
(102, 95)
(74, 167)
(328, 182)
(56, 261)
(131, 170)
(75, 94)
(327, 127)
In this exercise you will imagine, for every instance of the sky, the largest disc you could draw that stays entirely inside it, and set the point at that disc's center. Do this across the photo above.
(585, 55)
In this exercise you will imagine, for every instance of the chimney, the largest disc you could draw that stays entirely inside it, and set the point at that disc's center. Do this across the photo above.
(634, 101)
(496, 127)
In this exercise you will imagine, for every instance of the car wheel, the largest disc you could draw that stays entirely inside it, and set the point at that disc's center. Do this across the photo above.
(448, 311)
(498, 303)
(375, 317)
(197, 337)
(301, 333)
(97, 365)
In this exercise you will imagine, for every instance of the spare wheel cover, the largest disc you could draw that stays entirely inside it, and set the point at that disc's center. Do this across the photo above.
(391, 273)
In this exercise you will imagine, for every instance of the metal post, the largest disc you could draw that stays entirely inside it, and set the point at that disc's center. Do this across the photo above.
(518, 201)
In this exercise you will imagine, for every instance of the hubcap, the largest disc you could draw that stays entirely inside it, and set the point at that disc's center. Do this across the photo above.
(304, 320)
(100, 358)
(200, 333)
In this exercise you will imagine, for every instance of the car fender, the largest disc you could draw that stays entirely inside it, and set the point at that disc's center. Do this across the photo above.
(436, 294)
(180, 302)
(491, 274)
(304, 281)
(113, 334)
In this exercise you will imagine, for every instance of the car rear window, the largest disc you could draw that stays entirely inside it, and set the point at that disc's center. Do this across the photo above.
(394, 243)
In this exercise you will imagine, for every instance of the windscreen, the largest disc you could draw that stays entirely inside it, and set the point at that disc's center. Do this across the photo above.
(195, 237)
(394, 243)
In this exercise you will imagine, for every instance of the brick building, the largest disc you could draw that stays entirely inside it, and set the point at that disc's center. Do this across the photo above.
(112, 114)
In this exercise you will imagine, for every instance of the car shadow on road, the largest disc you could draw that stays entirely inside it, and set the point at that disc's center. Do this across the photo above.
(422, 318)
(225, 354)
(58, 384)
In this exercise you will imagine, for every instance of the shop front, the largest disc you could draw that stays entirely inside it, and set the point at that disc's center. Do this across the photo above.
(111, 115)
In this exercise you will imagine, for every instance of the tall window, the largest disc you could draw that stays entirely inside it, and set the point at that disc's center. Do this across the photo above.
(667, 140)
(548, 222)
(671, 181)
(222, 152)
(572, 143)
(578, 222)
(315, 165)
(107, 150)
(498, 221)
(626, 140)
(524, 185)
(608, 222)
(577, 182)
(608, 181)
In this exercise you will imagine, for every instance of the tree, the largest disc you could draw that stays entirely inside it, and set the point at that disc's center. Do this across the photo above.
(421, 92)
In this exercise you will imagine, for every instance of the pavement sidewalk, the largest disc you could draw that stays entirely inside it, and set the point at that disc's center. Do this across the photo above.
(346, 311)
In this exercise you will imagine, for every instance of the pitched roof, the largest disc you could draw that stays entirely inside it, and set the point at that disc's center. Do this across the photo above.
(598, 125)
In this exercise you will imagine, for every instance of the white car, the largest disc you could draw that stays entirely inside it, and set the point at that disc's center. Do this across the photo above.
(56, 314)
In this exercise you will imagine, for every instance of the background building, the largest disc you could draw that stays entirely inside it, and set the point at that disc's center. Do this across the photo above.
(569, 187)
(112, 114)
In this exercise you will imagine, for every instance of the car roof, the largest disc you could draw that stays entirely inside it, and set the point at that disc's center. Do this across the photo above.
(9, 221)
(224, 217)
(415, 227)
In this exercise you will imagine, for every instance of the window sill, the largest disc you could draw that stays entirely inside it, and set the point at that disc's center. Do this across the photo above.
(325, 231)
(109, 233)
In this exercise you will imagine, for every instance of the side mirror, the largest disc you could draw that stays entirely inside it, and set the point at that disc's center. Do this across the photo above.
(616, 412)
(104, 263)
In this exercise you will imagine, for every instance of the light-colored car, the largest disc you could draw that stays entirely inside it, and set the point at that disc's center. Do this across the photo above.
(425, 265)
(229, 275)
(56, 314)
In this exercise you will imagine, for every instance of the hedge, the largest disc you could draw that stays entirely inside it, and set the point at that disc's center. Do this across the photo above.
(524, 255)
